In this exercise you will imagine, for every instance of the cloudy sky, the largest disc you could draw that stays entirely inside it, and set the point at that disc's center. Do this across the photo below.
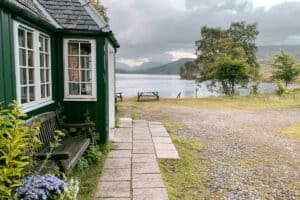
(165, 30)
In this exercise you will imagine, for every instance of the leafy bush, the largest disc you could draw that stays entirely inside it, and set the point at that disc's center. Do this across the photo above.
(17, 145)
(281, 90)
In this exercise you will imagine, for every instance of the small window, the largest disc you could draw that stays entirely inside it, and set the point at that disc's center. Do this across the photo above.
(33, 67)
(80, 70)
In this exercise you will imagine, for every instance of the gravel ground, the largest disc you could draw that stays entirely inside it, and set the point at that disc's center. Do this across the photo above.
(245, 155)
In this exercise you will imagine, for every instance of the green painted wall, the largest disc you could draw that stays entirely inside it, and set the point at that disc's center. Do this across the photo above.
(7, 72)
(74, 111)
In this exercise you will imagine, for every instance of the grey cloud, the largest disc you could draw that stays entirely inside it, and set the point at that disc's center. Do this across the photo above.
(150, 28)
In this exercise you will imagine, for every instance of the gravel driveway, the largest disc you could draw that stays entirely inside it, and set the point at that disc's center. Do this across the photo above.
(245, 155)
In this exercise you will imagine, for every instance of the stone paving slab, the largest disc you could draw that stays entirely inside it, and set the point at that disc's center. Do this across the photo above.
(125, 123)
(162, 140)
(147, 181)
(117, 189)
(121, 146)
(131, 170)
(117, 163)
(150, 194)
(145, 168)
(144, 158)
(116, 175)
(119, 154)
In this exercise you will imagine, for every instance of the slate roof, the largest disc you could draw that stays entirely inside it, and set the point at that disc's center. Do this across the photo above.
(70, 14)
(31, 7)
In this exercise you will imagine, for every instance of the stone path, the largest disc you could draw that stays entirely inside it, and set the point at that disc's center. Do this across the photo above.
(131, 170)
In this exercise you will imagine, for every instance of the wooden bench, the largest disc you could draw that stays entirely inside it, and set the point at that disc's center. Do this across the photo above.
(71, 148)
(119, 96)
(147, 94)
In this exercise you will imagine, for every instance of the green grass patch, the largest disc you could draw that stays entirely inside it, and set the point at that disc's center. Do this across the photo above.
(118, 115)
(184, 178)
(136, 113)
(260, 101)
(293, 131)
(89, 177)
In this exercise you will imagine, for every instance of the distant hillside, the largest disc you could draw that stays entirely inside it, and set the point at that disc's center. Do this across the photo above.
(170, 68)
(266, 53)
(154, 68)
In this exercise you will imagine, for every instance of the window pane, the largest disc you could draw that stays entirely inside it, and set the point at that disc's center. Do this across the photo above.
(86, 75)
(43, 91)
(23, 76)
(31, 76)
(47, 75)
(85, 62)
(48, 90)
(42, 74)
(85, 49)
(41, 44)
(31, 93)
(73, 75)
(24, 95)
(47, 60)
(73, 48)
(21, 36)
(42, 61)
(86, 89)
(30, 58)
(22, 57)
(74, 88)
(29, 40)
(46, 45)
(73, 62)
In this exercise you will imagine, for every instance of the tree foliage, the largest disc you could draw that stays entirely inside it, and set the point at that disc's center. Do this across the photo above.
(285, 68)
(228, 56)
(100, 8)
(189, 70)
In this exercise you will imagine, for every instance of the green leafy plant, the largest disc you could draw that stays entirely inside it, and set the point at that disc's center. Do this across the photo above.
(281, 90)
(17, 145)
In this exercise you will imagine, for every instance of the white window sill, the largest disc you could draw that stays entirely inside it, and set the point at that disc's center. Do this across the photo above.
(80, 99)
(36, 106)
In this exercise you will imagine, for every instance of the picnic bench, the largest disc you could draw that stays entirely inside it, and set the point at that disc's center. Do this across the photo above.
(119, 96)
(147, 94)
(71, 148)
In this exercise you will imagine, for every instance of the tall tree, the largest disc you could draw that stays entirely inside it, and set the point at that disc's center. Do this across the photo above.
(235, 44)
(189, 70)
(285, 68)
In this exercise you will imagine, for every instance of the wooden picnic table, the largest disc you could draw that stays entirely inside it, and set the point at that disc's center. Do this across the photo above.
(119, 96)
(147, 94)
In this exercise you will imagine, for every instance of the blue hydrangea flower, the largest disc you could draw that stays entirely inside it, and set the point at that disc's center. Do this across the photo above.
(41, 187)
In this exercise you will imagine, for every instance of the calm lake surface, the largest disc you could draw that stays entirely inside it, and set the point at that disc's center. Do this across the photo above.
(169, 86)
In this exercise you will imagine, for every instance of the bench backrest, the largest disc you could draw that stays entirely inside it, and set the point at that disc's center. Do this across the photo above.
(48, 125)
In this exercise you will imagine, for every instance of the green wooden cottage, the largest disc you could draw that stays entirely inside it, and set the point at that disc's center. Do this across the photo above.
(58, 52)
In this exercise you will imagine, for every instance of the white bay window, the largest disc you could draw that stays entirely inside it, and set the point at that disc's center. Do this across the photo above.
(80, 70)
(33, 67)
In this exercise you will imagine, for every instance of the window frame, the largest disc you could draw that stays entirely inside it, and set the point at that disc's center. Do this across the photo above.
(39, 101)
(67, 95)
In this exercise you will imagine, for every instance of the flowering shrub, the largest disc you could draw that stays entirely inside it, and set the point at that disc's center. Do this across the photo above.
(41, 187)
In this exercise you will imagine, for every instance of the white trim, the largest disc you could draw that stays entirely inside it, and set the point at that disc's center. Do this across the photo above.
(67, 96)
(36, 106)
(38, 102)
(45, 12)
(95, 15)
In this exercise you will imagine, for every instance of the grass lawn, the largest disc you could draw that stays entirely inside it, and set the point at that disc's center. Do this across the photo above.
(260, 101)
(89, 177)
(184, 178)
(293, 131)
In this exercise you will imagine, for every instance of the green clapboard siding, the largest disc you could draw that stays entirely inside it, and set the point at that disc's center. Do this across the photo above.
(75, 111)
(7, 72)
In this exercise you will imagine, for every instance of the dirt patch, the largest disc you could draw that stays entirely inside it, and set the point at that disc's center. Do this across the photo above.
(245, 155)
